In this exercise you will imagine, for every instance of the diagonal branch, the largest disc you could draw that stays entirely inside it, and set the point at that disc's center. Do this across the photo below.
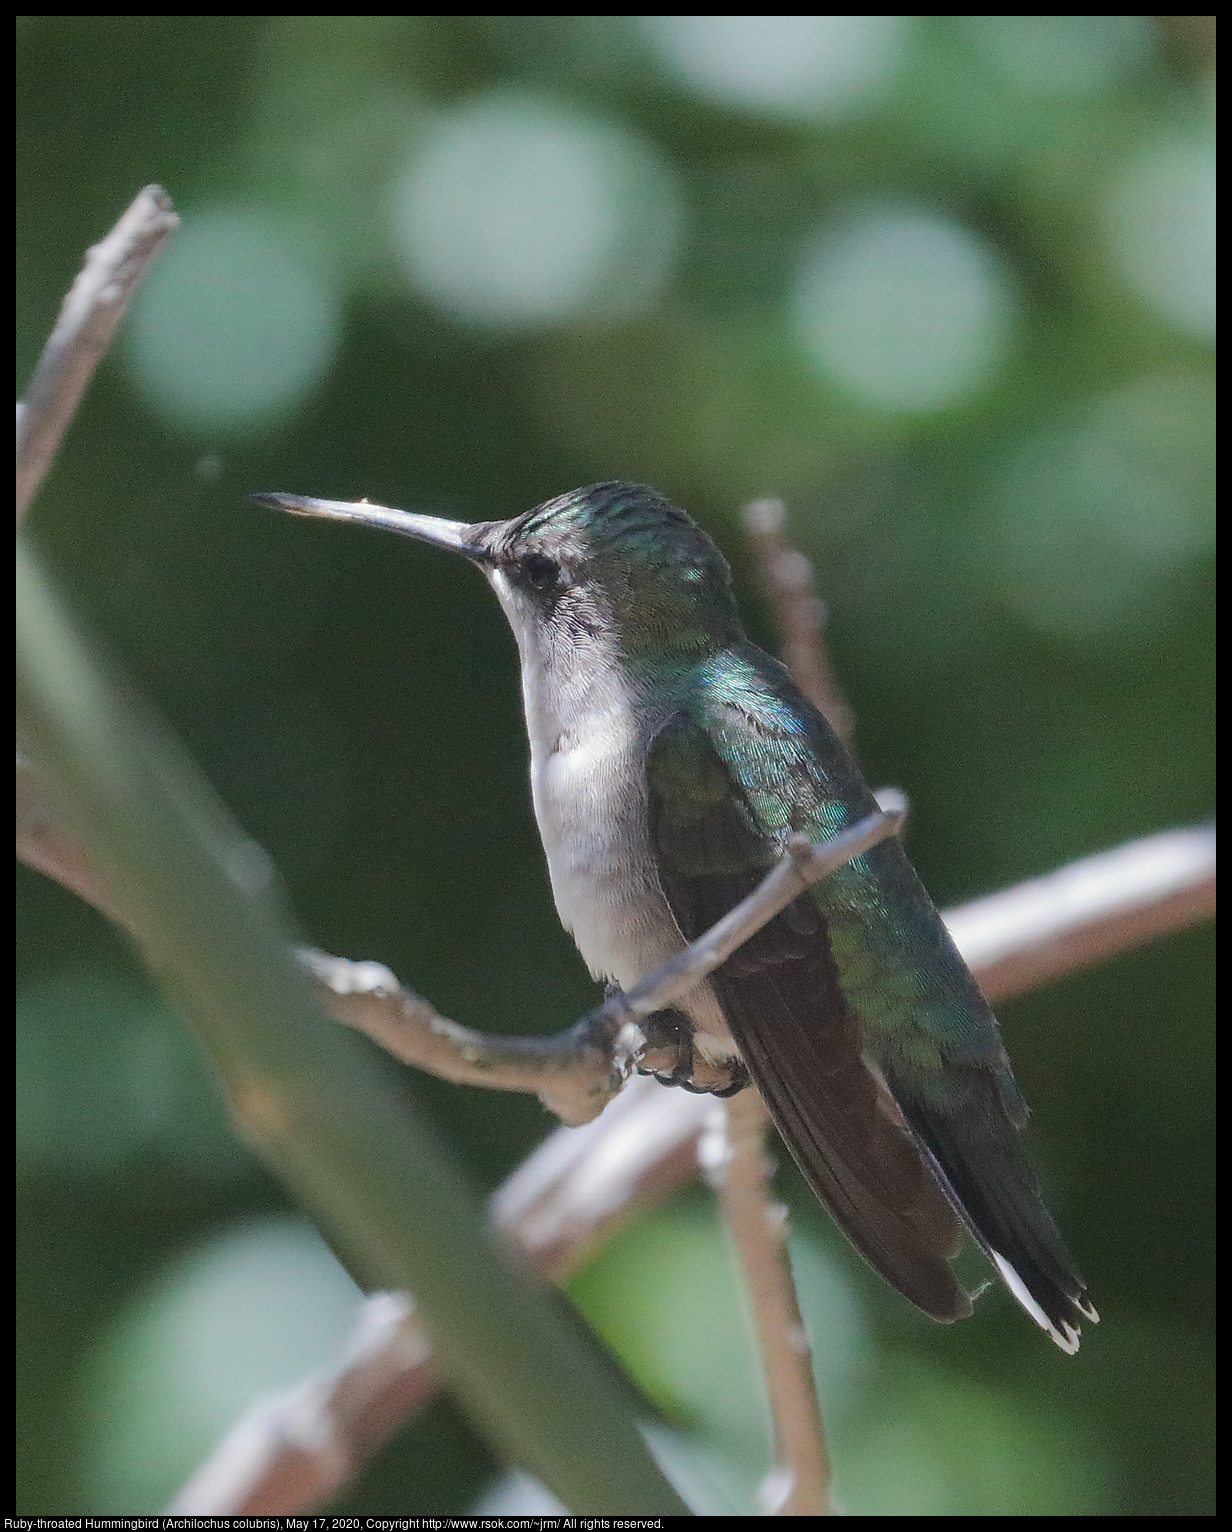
(45, 844)
(1087, 912)
(88, 318)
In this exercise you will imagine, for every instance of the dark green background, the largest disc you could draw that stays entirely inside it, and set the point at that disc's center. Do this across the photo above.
(355, 699)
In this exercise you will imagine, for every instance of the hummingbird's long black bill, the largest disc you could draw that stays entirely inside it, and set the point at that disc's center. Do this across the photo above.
(456, 536)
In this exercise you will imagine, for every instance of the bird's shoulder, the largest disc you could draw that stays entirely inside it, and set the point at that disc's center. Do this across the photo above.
(741, 731)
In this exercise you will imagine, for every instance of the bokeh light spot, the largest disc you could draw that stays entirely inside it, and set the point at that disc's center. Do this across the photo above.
(807, 66)
(1163, 233)
(235, 324)
(906, 310)
(1062, 55)
(1098, 515)
(518, 212)
(252, 1309)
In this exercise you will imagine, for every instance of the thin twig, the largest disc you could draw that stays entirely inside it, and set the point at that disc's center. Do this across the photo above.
(733, 1155)
(799, 1481)
(806, 863)
(83, 332)
(799, 613)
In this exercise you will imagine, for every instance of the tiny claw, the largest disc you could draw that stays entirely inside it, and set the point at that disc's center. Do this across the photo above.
(740, 1081)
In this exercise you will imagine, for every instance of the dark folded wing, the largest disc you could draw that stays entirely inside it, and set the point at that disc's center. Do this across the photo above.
(783, 1002)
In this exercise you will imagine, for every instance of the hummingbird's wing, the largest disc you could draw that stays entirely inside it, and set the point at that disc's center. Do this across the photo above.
(878, 1058)
(783, 1002)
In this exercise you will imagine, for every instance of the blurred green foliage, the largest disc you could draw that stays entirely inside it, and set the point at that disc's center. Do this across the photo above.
(945, 284)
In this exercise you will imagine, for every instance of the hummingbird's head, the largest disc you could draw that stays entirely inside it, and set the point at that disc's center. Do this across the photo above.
(614, 561)
(612, 569)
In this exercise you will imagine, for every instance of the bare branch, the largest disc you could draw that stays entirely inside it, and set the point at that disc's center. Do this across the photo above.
(799, 1482)
(583, 1182)
(43, 843)
(1091, 910)
(572, 1075)
(805, 863)
(83, 332)
(733, 1156)
(799, 613)
(295, 1451)
(298, 1451)
(1165, 883)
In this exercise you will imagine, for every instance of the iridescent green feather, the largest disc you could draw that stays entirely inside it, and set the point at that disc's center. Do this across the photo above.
(867, 991)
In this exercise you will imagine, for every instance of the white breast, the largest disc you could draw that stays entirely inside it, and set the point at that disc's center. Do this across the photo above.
(589, 794)
(588, 784)
(588, 739)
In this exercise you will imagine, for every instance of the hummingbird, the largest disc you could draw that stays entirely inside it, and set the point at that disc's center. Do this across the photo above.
(670, 762)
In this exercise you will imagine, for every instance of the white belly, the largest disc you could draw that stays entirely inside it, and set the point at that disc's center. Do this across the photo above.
(591, 810)
(589, 790)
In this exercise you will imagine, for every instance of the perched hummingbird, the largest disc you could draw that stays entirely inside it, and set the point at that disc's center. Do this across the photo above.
(670, 760)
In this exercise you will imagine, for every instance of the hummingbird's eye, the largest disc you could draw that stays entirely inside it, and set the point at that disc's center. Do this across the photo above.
(539, 571)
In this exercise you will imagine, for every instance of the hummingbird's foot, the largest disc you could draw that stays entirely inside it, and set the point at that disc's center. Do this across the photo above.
(738, 1077)
(668, 1032)
(721, 1080)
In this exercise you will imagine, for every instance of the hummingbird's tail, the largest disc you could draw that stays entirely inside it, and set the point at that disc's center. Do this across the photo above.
(894, 1151)
(990, 1181)
(838, 1121)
